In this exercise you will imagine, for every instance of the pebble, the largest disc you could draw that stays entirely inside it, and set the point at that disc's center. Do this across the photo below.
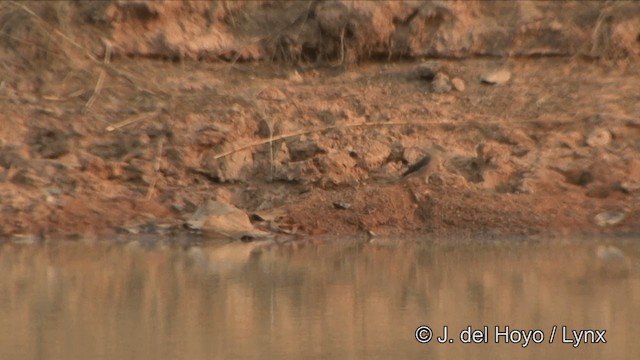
(497, 77)
(222, 219)
(458, 84)
(599, 137)
(341, 205)
(520, 151)
(303, 149)
(609, 218)
(630, 186)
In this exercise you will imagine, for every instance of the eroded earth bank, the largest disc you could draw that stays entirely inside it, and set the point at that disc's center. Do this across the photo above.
(315, 117)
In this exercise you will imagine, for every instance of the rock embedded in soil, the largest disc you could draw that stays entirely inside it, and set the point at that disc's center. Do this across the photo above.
(458, 84)
(221, 219)
(441, 83)
(630, 186)
(300, 150)
(599, 137)
(497, 77)
(609, 218)
(520, 151)
(341, 205)
(374, 153)
(229, 168)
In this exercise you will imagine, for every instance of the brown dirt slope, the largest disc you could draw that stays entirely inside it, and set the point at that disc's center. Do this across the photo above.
(125, 116)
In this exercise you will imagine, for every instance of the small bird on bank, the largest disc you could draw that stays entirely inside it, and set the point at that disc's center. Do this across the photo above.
(428, 164)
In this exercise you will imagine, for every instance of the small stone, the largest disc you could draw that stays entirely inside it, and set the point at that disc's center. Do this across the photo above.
(599, 137)
(51, 110)
(341, 205)
(579, 177)
(497, 77)
(300, 150)
(441, 83)
(520, 151)
(458, 84)
(609, 218)
(374, 153)
(222, 219)
(630, 186)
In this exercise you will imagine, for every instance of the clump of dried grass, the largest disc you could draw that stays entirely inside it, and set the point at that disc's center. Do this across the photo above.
(41, 45)
(616, 34)
(55, 50)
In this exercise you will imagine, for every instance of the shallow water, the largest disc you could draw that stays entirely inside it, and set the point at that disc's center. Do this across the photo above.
(316, 299)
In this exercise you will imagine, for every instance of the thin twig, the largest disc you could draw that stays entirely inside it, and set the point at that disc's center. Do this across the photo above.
(130, 121)
(309, 131)
(342, 49)
(263, 116)
(31, 43)
(99, 83)
(156, 168)
(373, 124)
(272, 167)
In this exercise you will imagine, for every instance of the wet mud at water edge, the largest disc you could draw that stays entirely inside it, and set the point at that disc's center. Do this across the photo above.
(150, 299)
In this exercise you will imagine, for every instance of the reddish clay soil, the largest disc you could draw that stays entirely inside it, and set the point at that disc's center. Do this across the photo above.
(319, 147)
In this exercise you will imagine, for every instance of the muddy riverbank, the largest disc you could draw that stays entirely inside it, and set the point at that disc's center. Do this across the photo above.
(96, 138)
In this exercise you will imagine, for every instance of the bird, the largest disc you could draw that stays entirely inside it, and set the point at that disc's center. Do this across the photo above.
(428, 164)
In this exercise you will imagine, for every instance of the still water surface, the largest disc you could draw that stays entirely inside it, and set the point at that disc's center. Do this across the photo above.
(316, 300)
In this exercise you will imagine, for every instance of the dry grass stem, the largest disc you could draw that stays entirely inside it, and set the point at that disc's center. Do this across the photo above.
(101, 77)
(130, 121)
(271, 139)
(113, 70)
(156, 167)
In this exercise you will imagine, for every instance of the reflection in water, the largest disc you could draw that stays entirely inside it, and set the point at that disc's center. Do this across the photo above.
(312, 300)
